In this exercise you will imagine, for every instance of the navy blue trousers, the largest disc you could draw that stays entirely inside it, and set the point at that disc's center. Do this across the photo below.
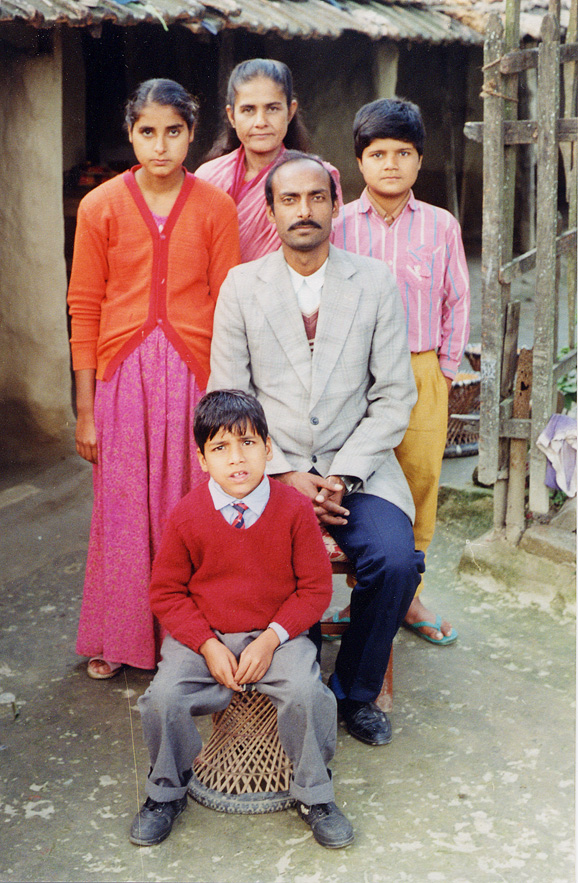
(378, 540)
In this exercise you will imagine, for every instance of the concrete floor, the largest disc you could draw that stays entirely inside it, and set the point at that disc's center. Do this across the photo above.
(476, 787)
(477, 784)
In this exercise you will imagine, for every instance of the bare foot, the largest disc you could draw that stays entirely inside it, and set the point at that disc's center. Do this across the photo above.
(419, 613)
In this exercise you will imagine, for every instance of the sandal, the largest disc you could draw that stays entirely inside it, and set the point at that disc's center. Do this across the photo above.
(93, 672)
(332, 629)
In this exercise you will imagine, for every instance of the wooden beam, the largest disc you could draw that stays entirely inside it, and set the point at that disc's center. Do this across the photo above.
(492, 326)
(524, 59)
(516, 428)
(515, 511)
(525, 131)
(544, 391)
(565, 244)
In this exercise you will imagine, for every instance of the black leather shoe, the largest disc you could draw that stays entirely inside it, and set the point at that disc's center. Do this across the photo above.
(329, 825)
(154, 822)
(366, 722)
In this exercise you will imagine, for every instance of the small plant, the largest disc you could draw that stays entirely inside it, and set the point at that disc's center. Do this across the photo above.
(567, 383)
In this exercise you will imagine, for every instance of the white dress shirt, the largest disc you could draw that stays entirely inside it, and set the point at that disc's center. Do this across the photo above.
(308, 288)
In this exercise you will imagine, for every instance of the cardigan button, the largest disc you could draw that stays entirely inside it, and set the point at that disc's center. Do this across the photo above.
(314, 459)
(315, 421)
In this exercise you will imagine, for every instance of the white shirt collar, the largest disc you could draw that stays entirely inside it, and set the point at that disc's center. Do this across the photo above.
(256, 500)
(315, 281)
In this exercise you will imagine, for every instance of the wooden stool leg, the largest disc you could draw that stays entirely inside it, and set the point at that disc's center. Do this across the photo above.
(385, 699)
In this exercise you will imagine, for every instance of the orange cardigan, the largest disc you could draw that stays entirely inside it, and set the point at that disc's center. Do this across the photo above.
(128, 278)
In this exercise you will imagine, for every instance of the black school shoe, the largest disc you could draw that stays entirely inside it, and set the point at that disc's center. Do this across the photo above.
(365, 721)
(330, 827)
(154, 822)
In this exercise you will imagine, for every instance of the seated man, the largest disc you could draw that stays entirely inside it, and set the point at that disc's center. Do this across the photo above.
(240, 575)
(317, 334)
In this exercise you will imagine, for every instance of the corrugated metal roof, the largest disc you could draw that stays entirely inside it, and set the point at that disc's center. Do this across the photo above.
(318, 18)
(428, 21)
(310, 19)
(475, 13)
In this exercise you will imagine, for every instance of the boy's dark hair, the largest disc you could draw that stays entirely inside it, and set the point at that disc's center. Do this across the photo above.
(388, 118)
(231, 410)
(295, 156)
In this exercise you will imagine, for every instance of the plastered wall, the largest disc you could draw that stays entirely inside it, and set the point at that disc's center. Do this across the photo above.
(34, 355)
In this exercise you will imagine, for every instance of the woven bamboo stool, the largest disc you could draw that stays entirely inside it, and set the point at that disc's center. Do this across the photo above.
(243, 767)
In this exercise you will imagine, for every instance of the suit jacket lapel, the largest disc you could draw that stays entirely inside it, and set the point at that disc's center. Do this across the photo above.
(339, 300)
(274, 292)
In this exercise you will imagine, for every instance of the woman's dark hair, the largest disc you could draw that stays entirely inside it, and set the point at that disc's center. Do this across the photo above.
(297, 156)
(230, 410)
(296, 138)
(388, 118)
(165, 92)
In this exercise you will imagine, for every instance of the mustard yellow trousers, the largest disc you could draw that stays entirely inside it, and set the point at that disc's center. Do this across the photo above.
(421, 452)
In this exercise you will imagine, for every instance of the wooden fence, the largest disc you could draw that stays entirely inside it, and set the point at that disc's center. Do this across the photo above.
(518, 394)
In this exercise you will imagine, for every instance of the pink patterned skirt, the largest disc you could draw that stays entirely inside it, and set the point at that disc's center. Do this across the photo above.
(147, 463)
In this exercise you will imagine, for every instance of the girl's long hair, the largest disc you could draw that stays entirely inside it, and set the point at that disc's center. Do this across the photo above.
(165, 92)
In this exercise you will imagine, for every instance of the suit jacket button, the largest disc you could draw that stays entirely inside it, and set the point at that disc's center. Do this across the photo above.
(314, 459)
(315, 421)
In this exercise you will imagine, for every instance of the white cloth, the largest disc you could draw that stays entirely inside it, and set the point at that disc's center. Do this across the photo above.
(558, 443)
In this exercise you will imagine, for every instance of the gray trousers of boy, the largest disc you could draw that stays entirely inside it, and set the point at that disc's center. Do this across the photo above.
(183, 687)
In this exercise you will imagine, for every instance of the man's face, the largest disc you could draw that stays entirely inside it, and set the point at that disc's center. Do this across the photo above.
(302, 207)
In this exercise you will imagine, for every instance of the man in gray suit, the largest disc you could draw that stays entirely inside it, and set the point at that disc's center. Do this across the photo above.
(317, 334)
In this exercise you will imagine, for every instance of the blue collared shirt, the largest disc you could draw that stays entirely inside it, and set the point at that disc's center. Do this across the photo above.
(256, 501)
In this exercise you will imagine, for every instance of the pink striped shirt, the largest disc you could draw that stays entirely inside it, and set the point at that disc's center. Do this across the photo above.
(423, 248)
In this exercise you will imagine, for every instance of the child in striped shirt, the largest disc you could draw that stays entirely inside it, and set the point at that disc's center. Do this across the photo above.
(423, 248)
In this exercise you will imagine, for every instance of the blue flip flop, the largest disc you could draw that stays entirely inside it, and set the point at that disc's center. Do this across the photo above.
(443, 642)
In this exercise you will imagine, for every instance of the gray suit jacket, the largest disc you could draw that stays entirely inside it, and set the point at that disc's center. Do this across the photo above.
(342, 410)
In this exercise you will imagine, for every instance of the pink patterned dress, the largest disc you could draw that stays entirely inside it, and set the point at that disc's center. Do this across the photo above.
(147, 463)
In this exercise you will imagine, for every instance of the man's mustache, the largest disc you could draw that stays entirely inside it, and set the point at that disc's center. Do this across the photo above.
(298, 224)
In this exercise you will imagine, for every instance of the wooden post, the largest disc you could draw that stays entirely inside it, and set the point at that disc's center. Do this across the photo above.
(515, 514)
(570, 156)
(492, 314)
(543, 383)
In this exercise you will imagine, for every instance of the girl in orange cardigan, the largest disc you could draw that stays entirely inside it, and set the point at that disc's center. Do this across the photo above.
(152, 248)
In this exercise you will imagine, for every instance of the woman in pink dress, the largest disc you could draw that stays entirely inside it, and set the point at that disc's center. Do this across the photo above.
(264, 121)
(152, 248)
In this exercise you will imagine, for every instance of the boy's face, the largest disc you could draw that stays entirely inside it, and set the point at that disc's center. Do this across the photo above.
(236, 462)
(389, 167)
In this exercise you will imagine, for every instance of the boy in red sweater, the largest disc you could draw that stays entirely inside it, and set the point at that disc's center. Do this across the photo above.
(240, 576)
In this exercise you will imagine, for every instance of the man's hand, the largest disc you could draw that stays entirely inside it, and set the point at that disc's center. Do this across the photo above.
(221, 663)
(326, 494)
(256, 658)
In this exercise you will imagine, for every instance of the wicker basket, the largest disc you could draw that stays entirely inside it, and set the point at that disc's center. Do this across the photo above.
(243, 767)
(463, 416)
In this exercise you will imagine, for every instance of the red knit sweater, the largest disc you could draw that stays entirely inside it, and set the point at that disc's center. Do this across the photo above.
(128, 277)
(208, 575)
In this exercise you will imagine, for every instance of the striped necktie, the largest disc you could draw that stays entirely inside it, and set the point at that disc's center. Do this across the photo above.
(240, 518)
